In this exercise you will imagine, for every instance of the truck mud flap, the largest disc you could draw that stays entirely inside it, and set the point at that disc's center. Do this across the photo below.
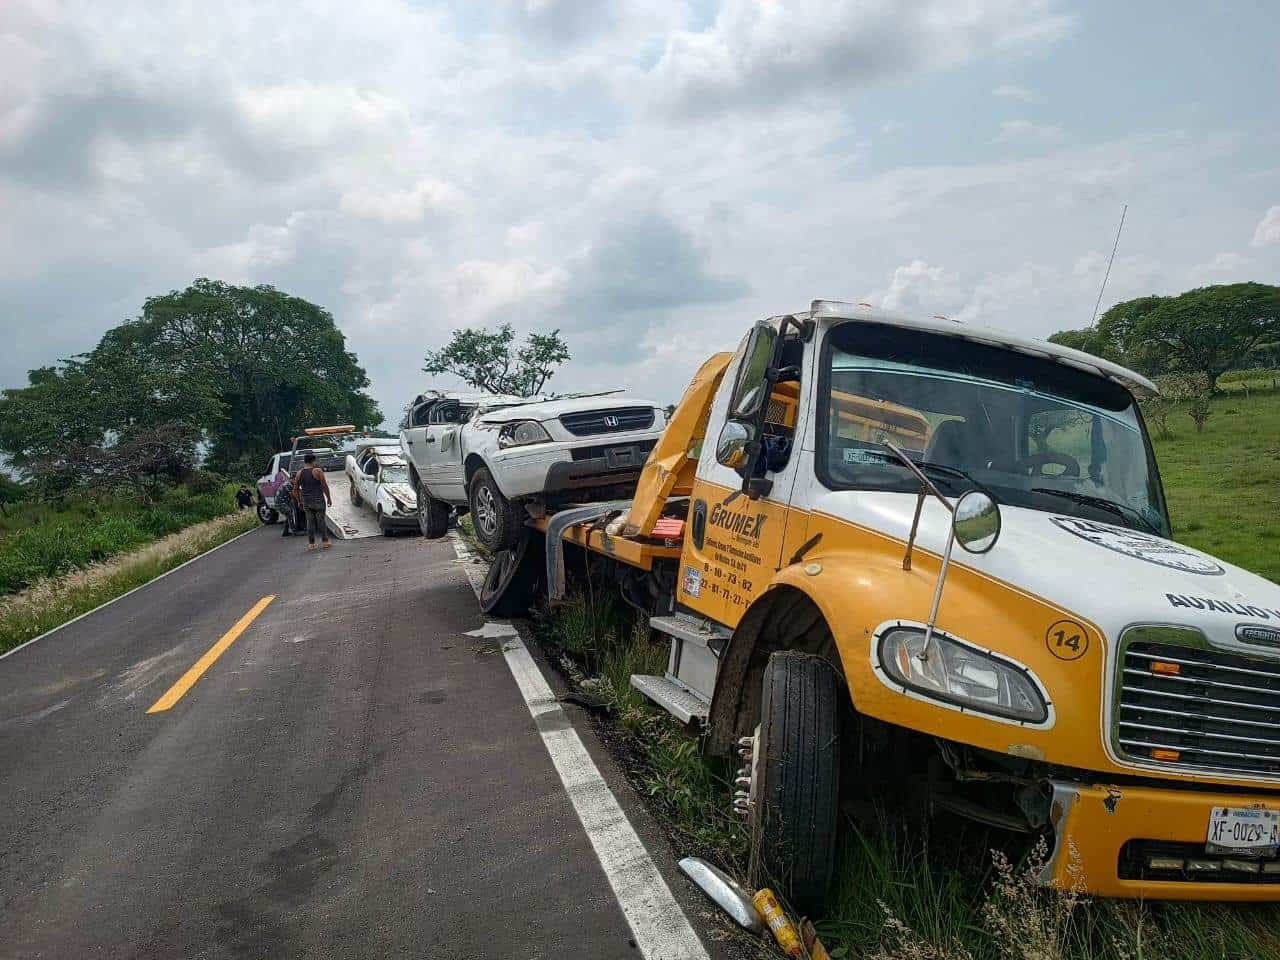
(557, 525)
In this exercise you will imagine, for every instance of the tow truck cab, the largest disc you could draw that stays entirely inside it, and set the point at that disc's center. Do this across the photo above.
(941, 555)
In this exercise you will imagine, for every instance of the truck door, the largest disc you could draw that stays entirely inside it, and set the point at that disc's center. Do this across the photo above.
(734, 542)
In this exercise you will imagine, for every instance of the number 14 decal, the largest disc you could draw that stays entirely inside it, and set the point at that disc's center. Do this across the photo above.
(1067, 640)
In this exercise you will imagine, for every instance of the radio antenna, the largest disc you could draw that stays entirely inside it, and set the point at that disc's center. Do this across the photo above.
(1107, 275)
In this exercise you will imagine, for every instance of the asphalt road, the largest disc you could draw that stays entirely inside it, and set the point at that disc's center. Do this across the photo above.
(353, 776)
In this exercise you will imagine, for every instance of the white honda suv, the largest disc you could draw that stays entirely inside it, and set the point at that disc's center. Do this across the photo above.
(507, 458)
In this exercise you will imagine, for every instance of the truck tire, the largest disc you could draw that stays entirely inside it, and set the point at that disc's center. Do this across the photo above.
(265, 514)
(513, 577)
(356, 501)
(796, 780)
(433, 516)
(498, 522)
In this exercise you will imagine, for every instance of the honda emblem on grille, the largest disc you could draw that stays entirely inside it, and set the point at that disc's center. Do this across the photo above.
(1258, 634)
(611, 421)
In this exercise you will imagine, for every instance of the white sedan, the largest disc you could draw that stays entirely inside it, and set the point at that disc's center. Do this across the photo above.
(379, 479)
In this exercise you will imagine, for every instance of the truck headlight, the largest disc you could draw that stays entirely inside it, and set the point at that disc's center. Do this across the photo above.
(521, 433)
(962, 675)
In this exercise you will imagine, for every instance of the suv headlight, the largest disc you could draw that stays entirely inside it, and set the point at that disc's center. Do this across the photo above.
(521, 433)
(962, 675)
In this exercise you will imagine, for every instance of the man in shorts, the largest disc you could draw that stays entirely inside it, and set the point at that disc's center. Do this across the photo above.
(311, 489)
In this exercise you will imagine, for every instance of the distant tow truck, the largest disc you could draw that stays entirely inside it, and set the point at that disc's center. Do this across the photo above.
(1070, 672)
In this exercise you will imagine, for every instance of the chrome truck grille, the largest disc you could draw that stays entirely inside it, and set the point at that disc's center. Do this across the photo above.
(591, 423)
(1187, 706)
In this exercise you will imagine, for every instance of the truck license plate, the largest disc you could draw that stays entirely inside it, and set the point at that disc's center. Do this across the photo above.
(1250, 831)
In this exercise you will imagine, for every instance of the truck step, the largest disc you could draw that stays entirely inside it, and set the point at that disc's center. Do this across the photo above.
(679, 701)
(682, 626)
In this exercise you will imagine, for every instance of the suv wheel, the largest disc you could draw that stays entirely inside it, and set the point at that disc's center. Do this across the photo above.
(266, 514)
(513, 577)
(497, 520)
(433, 516)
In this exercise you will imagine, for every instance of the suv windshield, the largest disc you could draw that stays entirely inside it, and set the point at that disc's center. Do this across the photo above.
(1033, 432)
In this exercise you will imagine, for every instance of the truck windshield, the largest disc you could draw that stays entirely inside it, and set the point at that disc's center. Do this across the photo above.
(1033, 432)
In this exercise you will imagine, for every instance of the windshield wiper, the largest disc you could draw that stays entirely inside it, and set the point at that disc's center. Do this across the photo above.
(1121, 510)
(931, 465)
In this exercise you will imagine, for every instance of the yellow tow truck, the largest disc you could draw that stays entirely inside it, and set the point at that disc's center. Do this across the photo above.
(1070, 670)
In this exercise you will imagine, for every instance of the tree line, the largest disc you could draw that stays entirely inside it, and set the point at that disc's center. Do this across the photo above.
(1200, 334)
(216, 373)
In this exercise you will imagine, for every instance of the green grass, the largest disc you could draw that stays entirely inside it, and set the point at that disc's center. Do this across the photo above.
(42, 540)
(54, 601)
(601, 643)
(1223, 485)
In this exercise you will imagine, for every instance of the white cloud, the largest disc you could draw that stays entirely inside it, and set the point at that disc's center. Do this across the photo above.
(1011, 91)
(1226, 267)
(754, 52)
(1024, 131)
(481, 287)
(424, 198)
(1268, 230)
(918, 288)
(415, 168)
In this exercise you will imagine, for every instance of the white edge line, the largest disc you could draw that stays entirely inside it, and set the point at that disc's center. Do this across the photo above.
(88, 613)
(659, 926)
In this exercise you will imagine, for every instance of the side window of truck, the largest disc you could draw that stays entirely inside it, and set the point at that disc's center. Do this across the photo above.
(420, 415)
(784, 409)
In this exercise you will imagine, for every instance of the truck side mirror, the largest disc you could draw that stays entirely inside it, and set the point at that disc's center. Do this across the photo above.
(731, 448)
(976, 521)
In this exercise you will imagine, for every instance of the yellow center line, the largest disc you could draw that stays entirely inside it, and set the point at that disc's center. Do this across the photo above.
(188, 679)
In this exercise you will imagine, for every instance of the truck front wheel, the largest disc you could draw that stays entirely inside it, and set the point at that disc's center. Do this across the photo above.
(796, 779)
(433, 516)
(498, 521)
(265, 514)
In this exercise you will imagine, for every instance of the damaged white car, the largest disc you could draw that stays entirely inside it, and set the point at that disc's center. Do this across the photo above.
(504, 458)
(379, 479)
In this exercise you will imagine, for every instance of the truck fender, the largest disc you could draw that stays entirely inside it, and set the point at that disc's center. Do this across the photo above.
(787, 616)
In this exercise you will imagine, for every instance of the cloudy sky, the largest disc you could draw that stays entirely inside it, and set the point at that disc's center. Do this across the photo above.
(647, 176)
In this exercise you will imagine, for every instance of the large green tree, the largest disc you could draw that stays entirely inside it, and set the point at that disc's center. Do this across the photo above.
(279, 364)
(234, 372)
(1206, 331)
(94, 415)
(491, 360)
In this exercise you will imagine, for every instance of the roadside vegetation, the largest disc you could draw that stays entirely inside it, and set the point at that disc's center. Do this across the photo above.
(1223, 482)
(53, 600)
(41, 539)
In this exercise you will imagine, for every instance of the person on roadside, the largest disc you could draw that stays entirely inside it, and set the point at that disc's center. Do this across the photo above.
(311, 489)
(243, 497)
